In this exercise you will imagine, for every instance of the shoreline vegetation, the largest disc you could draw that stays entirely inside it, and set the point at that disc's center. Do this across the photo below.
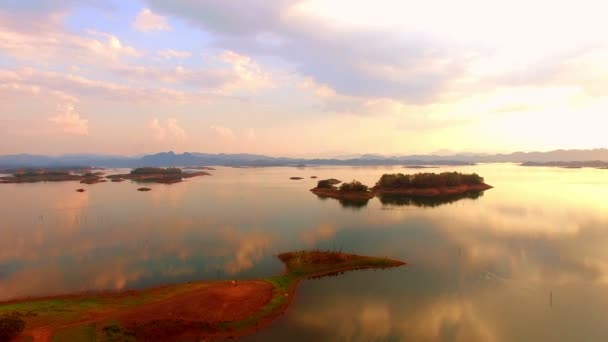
(190, 311)
(389, 186)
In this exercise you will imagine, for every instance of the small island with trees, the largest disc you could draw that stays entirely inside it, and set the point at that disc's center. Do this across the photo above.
(354, 190)
(430, 184)
(157, 175)
(416, 185)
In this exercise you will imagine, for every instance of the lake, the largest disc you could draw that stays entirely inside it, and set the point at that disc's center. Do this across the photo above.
(527, 261)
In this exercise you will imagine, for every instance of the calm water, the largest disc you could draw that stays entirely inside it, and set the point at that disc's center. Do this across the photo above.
(527, 261)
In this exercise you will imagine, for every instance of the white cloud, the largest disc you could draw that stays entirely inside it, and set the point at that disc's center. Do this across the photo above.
(175, 130)
(148, 21)
(320, 90)
(222, 131)
(70, 121)
(55, 44)
(247, 73)
(168, 129)
(158, 131)
(67, 85)
(170, 53)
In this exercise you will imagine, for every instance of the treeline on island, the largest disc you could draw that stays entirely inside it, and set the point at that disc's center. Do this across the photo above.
(402, 181)
(426, 189)
(428, 180)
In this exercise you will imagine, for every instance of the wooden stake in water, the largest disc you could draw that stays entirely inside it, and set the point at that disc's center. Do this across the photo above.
(551, 299)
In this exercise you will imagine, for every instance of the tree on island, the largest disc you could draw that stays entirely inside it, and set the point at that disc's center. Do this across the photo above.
(354, 186)
(428, 180)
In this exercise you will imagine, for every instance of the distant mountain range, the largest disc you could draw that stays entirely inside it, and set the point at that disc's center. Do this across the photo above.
(208, 159)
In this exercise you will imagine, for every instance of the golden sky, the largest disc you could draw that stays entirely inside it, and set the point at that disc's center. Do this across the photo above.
(302, 77)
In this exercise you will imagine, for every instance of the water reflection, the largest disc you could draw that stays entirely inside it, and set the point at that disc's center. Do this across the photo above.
(480, 270)
(355, 204)
(405, 200)
(426, 202)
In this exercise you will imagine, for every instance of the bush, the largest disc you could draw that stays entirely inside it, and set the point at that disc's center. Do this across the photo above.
(325, 184)
(11, 326)
(428, 180)
(353, 186)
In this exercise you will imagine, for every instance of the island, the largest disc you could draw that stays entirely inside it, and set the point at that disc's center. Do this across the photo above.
(93, 178)
(195, 310)
(420, 189)
(52, 175)
(430, 184)
(296, 178)
(157, 175)
(208, 168)
(354, 190)
(598, 164)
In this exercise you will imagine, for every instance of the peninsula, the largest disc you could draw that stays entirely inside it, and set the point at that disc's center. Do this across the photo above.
(206, 309)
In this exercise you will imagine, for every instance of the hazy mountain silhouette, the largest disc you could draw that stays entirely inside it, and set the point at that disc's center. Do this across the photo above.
(243, 159)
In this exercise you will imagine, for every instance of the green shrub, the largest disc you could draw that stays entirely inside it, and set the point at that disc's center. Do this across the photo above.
(325, 184)
(353, 186)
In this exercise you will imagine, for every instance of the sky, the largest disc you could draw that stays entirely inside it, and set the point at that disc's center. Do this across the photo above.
(302, 77)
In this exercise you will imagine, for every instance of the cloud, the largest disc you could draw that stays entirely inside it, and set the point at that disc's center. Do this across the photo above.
(320, 90)
(248, 75)
(147, 21)
(222, 131)
(167, 130)
(404, 66)
(414, 54)
(55, 44)
(70, 121)
(72, 85)
(170, 53)
(175, 130)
